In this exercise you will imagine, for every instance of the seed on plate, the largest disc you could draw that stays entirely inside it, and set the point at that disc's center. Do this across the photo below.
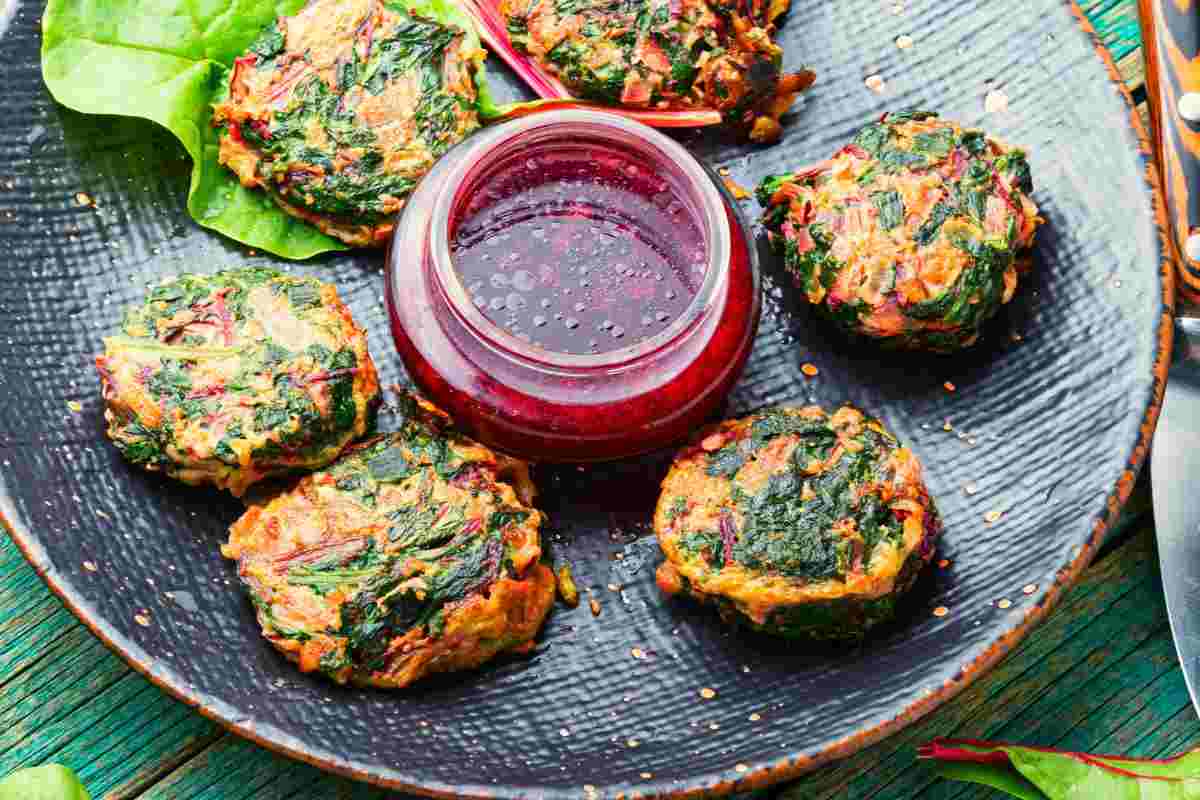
(632, 742)
(1029, 588)
(992, 516)
(948, 386)
(646, 775)
(563, 732)
(995, 101)
(90, 566)
(1005, 603)
(612, 587)
(723, 171)
(707, 693)
(142, 619)
(714, 726)
(638, 652)
(876, 84)
(740, 768)
(809, 369)
(971, 488)
(941, 611)
(904, 41)
(755, 717)
(84, 199)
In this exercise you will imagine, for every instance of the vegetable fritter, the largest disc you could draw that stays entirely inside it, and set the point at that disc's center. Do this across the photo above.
(417, 552)
(796, 522)
(914, 234)
(339, 110)
(231, 378)
(664, 54)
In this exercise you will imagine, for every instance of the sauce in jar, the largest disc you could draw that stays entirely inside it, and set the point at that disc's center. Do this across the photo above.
(573, 213)
(579, 250)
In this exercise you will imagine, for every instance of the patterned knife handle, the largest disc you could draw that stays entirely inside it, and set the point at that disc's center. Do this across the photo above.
(1171, 47)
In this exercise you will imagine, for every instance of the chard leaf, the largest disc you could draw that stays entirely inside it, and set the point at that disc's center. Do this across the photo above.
(167, 61)
(47, 782)
(1033, 773)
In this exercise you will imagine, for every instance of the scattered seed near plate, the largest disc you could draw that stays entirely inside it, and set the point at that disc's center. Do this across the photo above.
(946, 426)
(723, 171)
(941, 611)
(992, 516)
(949, 387)
(638, 652)
(712, 726)
(740, 768)
(90, 566)
(142, 619)
(594, 605)
(646, 775)
(632, 742)
(875, 83)
(566, 586)
(898, 9)
(563, 732)
(1029, 588)
(904, 42)
(995, 102)
(1005, 603)
(810, 370)
(945, 562)
(612, 587)
(971, 488)
(755, 717)
(84, 199)
(707, 693)
(75, 406)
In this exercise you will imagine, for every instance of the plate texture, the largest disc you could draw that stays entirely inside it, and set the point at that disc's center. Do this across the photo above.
(1047, 423)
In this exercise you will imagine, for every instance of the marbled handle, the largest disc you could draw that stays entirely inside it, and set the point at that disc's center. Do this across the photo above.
(1171, 47)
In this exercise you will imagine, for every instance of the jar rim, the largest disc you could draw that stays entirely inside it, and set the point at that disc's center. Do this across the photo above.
(553, 126)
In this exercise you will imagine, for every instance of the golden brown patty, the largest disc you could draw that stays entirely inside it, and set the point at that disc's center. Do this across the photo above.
(913, 235)
(796, 522)
(339, 110)
(231, 378)
(664, 54)
(417, 552)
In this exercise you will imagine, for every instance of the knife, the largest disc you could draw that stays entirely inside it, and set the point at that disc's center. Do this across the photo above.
(1170, 41)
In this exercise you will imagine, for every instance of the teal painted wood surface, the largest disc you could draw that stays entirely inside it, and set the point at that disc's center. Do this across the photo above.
(1099, 674)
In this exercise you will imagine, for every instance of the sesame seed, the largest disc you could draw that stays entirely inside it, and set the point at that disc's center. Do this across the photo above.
(941, 611)
(1005, 603)
(142, 619)
(809, 369)
(612, 587)
(1029, 588)
(563, 732)
(755, 717)
(992, 516)
(971, 488)
(638, 652)
(90, 566)
(995, 102)
(946, 426)
(632, 742)
(723, 171)
(594, 605)
(707, 693)
(646, 775)
(714, 726)
(741, 768)
(904, 42)
(875, 83)
(84, 199)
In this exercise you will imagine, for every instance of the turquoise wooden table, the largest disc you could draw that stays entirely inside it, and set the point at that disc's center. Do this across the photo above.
(1100, 674)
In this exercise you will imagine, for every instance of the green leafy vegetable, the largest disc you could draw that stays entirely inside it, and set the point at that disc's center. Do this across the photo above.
(890, 207)
(47, 782)
(167, 62)
(1034, 773)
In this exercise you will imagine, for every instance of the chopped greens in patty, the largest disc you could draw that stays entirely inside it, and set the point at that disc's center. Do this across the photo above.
(796, 522)
(914, 234)
(416, 552)
(339, 110)
(231, 378)
(664, 54)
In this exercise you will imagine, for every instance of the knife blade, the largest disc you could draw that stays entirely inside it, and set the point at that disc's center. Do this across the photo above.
(1175, 479)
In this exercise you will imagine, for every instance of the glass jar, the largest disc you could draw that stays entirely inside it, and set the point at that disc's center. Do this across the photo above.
(557, 406)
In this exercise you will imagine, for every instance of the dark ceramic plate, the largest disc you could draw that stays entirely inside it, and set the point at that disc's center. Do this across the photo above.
(1049, 423)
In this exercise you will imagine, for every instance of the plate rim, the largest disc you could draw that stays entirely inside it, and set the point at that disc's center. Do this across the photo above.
(762, 775)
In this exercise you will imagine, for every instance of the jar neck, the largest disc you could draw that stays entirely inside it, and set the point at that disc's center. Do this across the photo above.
(479, 162)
